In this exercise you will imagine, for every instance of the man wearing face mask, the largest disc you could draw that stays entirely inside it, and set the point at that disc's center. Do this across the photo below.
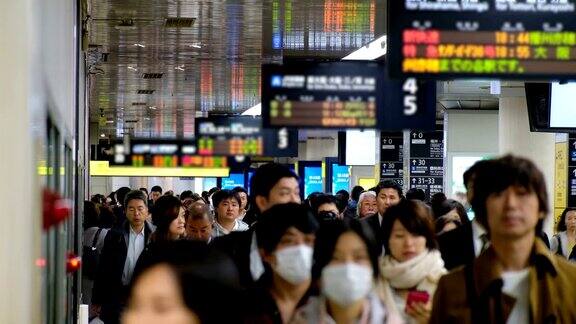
(286, 235)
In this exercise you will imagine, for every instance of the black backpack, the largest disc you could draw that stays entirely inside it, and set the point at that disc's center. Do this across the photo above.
(90, 256)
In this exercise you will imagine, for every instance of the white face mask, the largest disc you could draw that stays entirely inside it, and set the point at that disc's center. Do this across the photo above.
(346, 283)
(294, 264)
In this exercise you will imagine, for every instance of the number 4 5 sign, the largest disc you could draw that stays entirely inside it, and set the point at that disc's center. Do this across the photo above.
(409, 104)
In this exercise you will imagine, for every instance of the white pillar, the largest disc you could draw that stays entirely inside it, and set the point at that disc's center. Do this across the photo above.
(516, 138)
(20, 192)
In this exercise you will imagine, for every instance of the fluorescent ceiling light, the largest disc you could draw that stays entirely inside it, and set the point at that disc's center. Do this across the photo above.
(373, 50)
(254, 111)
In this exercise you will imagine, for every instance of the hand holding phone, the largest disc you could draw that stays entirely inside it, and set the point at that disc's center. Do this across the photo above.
(417, 297)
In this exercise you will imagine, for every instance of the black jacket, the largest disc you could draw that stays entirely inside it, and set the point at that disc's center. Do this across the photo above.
(374, 224)
(108, 289)
(237, 246)
(457, 246)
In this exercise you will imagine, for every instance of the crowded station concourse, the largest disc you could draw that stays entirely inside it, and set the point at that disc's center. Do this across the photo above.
(288, 161)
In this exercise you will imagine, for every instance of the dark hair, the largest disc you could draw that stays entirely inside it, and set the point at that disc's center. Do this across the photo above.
(266, 177)
(450, 204)
(327, 238)
(107, 217)
(213, 190)
(470, 174)
(98, 199)
(342, 198)
(443, 221)
(389, 184)
(321, 200)
(275, 221)
(165, 211)
(144, 189)
(157, 189)
(135, 194)
(121, 195)
(561, 226)
(186, 194)
(502, 173)
(112, 197)
(416, 194)
(240, 189)
(204, 276)
(415, 216)
(91, 215)
(436, 202)
(356, 191)
(221, 195)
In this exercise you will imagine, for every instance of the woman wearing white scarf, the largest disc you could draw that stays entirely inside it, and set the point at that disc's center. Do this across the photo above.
(413, 263)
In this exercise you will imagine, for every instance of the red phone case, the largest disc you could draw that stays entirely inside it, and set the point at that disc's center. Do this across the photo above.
(417, 297)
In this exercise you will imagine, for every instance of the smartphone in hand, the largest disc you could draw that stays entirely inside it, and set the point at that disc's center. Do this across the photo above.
(417, 297)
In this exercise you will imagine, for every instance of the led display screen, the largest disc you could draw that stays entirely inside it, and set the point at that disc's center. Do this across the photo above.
(312, 180)
(344, 95)
(515, 39)
(232, 136)
(233, 181)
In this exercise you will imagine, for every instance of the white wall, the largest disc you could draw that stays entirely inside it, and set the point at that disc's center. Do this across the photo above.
(469, 133)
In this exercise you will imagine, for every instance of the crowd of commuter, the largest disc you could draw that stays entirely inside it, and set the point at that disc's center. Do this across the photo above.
(371, 256)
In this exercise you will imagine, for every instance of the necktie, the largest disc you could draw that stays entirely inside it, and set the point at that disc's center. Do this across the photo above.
(485, 242)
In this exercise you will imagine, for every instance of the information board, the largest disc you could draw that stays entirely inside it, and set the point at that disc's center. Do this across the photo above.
(231, 136)
(327, 95)
(163, 154)
(344, 95)
(572, 170)
(340, 178)
(392, 157)
(233, 181)
(427, 161)
(313, 180)
(515, 39)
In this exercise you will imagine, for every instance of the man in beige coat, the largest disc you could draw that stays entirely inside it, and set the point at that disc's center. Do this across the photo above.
(516, 280)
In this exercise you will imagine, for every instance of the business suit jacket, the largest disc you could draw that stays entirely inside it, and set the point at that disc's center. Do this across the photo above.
(374, 223)
(457, 246)
(108, 291)
(237, 246)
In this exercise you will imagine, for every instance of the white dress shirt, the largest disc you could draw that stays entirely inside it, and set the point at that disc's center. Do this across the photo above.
(219, 230)
(136, 245)
(477, 232)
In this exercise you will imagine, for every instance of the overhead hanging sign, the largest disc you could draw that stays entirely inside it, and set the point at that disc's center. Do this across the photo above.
(506, 39)
(163, 154)
(344, 95)
(392, 157)
(427, 162)
(232, 136)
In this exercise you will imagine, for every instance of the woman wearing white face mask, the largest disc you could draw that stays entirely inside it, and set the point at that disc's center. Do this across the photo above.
(285, 235)
(346, 267)
(413, 266)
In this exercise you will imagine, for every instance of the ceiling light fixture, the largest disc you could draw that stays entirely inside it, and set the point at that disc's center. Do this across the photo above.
(102, 135)
(139, 45)
(371, 51)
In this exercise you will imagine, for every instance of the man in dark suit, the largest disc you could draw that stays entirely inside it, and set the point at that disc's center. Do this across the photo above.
(271, 184)
(122, 247)
(461, 245)
(388, 193)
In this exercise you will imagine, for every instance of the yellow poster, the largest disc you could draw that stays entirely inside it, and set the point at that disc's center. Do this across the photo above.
(560, 179)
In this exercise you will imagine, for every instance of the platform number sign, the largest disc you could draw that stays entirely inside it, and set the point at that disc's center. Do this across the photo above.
(410, 89)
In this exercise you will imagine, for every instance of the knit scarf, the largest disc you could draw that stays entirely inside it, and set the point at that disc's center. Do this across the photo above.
(421, 272)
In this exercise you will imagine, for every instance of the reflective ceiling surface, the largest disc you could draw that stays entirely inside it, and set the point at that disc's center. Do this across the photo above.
(150, 75)
(212, 65)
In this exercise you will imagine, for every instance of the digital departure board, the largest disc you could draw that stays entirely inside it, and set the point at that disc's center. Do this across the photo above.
(232, 136)
(163, 154)
(344, 95)
(508, 39)
(327, 95)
